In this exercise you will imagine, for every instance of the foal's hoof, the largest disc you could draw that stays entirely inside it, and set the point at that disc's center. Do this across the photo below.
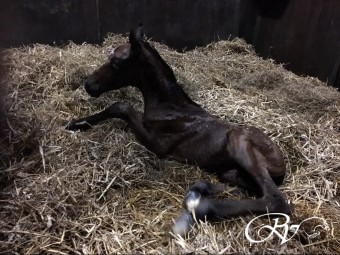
(183, 224)
(191, 200)
(78, 125)
(277, 203)
(287, 209)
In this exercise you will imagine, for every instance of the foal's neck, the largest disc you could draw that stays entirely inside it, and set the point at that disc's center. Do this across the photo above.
(158, 83)
(157, 89)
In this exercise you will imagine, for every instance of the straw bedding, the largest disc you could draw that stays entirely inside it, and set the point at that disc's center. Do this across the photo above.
(100, 191)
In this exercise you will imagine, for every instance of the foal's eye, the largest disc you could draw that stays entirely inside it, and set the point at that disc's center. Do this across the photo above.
(116, 63)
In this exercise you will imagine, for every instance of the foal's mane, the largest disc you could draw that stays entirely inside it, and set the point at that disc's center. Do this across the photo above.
(164, 72)
(165, 68)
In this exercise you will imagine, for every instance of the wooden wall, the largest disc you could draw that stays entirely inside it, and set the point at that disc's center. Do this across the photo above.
(306, 38)
(303, 34)
(48, 21)
(180, 24)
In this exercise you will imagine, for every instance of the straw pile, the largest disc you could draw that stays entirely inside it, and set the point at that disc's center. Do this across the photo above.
(102, 192)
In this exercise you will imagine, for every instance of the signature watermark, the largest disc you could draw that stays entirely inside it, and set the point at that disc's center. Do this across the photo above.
(280, 226)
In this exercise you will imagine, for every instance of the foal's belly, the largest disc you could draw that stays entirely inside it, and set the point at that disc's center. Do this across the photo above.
(206, 147)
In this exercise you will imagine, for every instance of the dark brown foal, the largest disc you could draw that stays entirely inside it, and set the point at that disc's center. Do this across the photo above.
(174, 126)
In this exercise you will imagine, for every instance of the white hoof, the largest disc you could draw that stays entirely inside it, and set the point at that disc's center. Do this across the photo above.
(192, 200)
(183, 224)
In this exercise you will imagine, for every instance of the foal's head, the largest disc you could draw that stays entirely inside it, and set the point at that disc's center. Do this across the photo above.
(120, 70)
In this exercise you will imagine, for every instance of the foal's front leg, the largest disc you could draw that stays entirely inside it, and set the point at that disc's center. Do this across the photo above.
(119, 110)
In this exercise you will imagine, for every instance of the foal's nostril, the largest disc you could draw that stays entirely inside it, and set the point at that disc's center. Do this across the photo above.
(92, 88)
(87, 86)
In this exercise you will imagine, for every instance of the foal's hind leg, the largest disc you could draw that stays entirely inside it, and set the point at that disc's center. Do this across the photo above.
(262, 160)
(240, 179)
(200, 188)
(192, 199)
(197, 207)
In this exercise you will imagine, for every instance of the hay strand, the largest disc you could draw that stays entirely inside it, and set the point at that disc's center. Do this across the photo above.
(102, 192)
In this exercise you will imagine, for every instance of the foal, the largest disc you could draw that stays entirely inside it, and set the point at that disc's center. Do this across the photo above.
(176, 127)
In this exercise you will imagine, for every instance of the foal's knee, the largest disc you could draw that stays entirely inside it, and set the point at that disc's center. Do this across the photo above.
(252, 148)
(120, 107)
(121, 110)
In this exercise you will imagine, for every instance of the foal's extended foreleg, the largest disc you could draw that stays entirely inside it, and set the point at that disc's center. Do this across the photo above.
(119, 110)
(88, 122)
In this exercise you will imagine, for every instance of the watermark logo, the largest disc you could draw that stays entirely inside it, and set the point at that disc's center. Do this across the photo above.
(280, 226)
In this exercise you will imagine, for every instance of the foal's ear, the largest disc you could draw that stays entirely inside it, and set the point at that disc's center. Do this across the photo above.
(133, 40)
(136, 37)
(140, 32)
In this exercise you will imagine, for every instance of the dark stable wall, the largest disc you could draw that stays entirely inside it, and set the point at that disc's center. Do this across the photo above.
(180, 24)
(48, 21)
(306, 38)
(302, 34)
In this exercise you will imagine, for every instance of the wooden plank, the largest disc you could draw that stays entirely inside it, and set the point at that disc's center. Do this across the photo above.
(336, 75)
(248, 18)
(303, 34)
(47, 21)
(306, 38)
(180, 24)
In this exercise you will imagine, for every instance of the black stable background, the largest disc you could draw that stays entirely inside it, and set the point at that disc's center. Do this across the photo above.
(303, 34)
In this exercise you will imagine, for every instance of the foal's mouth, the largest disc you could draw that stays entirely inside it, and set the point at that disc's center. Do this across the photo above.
(92, 92)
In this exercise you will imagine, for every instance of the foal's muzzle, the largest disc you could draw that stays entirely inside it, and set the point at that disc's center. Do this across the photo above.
(93, 89)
